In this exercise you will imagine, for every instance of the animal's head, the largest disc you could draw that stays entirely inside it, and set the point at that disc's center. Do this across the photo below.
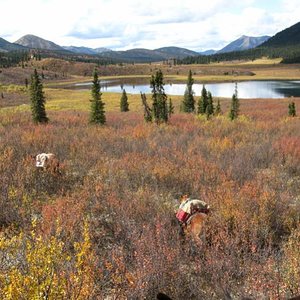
(184, 197)
(207, 209)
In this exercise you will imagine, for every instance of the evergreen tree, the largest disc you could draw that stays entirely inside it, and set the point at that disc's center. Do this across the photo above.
(124, 106)
(188, 103)
(218, 110)
(147, 109)
(234, 108)
(292, 109)
(97, 115)
(170, 108)
(159, 98)
(210, 105)
(37, 99)
(202, 103)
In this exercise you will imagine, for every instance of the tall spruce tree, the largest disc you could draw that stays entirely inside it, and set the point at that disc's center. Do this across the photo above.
(202, 103)
(218, 110)
(159, 98)
(235, 104)
(97, 114)
(37, 99)
(188, 103)
(147, 110)
(210, 105)
(124, 106)
(170, 108)
(292, 109)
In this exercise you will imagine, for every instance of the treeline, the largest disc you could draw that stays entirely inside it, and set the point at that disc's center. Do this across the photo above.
(289, 54)
(69, 56)
(13, 58)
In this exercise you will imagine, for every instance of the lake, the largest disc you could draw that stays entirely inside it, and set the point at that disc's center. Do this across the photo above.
(246, 89)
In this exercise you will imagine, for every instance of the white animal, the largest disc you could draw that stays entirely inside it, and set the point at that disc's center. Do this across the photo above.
(42, 160)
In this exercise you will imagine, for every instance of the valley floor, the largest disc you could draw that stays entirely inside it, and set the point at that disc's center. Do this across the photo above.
(104, 226)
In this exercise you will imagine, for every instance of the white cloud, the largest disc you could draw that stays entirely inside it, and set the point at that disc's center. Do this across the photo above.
(149, 24)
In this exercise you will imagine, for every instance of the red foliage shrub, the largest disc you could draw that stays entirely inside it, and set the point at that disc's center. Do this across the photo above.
(124, 179)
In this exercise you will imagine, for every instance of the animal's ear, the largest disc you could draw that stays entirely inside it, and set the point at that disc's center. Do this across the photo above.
(32, 156)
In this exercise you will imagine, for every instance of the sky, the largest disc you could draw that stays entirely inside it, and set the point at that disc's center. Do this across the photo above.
(125, 24)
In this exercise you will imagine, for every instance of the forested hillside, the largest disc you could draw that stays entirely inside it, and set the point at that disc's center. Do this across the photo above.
(285, 44)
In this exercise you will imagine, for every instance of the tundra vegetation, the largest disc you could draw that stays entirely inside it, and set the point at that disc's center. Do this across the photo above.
(104, 226)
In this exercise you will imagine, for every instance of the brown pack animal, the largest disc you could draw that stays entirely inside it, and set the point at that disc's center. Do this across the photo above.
(194, 228)
(47, 161)
(191, 215)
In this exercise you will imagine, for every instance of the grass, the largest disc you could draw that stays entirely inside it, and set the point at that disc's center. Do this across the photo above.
(60, 99)
(263, 61)
(259, 61)
(65, 99)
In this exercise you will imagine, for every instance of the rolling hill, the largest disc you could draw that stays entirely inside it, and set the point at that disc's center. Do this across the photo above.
(176, 52)
(80, 50)
(86, 50)
(146, 55)
(208, 52)
(136, 55)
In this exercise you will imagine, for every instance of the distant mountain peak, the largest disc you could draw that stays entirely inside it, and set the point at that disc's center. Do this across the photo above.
(243, 43)
(35, 42)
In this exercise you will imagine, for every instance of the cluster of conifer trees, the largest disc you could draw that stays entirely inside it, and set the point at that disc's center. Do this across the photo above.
(159, 111)
(205, 105)
(13, 58)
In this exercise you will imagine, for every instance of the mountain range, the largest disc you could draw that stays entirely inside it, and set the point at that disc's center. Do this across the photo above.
(289, 36)
(137, 55)
(243, 43)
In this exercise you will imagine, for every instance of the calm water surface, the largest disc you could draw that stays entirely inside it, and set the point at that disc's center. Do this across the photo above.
(246, 89)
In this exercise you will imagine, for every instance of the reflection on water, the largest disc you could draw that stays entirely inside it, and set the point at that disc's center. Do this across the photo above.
(246, 89)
